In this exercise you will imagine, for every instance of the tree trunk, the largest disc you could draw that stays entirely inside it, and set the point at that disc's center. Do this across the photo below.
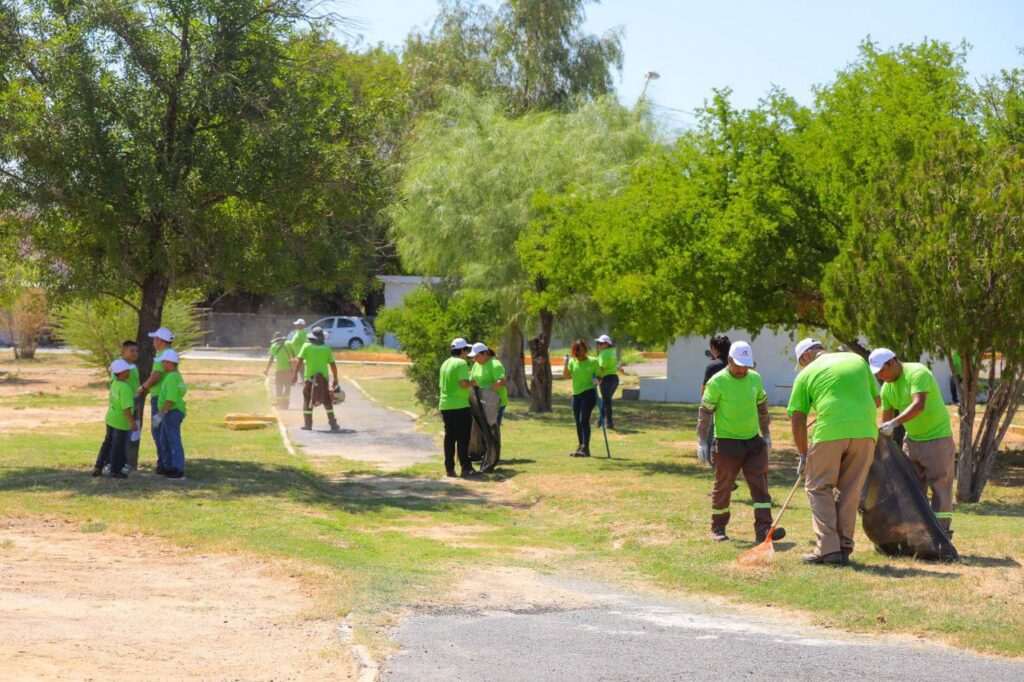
(511, 356)
(154, 292)
(978, 450)
(540, 384)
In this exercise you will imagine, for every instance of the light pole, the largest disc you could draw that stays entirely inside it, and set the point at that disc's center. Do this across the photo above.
(648, 77)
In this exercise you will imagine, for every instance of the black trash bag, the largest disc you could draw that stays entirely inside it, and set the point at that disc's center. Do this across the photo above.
(895, 511)
(485, 438)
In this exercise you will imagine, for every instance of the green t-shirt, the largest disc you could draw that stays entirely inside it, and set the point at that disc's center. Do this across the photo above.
(488, 373)
(122, 397)
(453, 396)
(607, 362)
(158, 372)
(281, 352)
(298, 340)
(132, 380)
(583, 373)
(958, 364)
(934, 421)
(316, 359)
(734, 402)
(841, 389)
(173, 389)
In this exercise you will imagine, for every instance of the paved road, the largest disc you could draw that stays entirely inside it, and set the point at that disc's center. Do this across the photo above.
(628, 637)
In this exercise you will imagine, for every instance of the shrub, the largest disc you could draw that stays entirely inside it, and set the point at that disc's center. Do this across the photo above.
(26, 321)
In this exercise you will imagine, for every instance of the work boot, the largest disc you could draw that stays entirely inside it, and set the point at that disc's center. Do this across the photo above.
(760, 535)
(719, 536)
(830, 559)
(335, 428)
(307, 422)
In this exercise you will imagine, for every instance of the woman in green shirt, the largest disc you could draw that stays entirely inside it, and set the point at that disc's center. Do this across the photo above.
(583, 372)
(607, 362)
(488, 372)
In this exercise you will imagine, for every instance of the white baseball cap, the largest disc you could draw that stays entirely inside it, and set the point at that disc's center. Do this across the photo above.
(805, 345)
(299, 322)
(878, 358)
(119, 365)
(163, 333)
(459, 344)
(604, 338)
(741, 353)
(170, 355)
(478, 348)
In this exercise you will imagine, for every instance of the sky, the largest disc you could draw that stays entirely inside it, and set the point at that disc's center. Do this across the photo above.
(748, 45)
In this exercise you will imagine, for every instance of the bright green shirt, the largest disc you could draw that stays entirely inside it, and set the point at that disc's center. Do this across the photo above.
(173, 390)
(158, 371)
(122, 397)
(583, 373)
(607, 362)
(486, 374)
(298, 340)
(132, 380)
(734, 402)
(958, 364)
(453, 396)
(934, 421)
(316, 358)
(281, 352)
(841, 389)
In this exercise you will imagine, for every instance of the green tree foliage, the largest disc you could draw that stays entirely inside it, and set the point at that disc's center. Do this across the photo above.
(98, 327)
(469, 184)
(203, 143)
(426, 325)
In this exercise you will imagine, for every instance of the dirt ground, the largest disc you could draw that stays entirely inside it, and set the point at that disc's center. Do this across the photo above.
(79, 605)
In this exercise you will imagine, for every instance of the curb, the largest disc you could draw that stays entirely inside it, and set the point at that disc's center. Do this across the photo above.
(281, 428)
(410, 415)
(367, 669)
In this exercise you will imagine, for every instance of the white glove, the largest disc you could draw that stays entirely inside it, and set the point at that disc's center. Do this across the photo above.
(800, 465)
(703, 452)
(889, 427)
(565, 359)
(157, 420)
(768, 442)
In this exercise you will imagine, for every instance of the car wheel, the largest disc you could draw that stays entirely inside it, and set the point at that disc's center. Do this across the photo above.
(355, 343)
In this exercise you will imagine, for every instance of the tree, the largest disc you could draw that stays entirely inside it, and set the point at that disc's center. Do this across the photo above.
(467, 192)
(175, 143)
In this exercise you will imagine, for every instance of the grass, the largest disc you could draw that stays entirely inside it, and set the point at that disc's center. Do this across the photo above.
(640, 517)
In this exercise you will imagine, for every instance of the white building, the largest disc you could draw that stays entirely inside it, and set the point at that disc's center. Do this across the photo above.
(395, 289)
(773, 352)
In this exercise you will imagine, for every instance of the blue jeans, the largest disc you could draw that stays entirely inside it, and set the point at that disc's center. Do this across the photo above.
(154, 407)
(608, 386)
(172, 451)
(582, 407)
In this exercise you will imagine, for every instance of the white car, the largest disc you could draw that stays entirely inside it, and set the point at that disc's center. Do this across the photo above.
(346, 332)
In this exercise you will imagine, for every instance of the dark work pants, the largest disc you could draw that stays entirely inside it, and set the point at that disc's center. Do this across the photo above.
(751, 457)
(113, 449)
(582, 407)
(458, 424)
(608, 386)
(318, 384)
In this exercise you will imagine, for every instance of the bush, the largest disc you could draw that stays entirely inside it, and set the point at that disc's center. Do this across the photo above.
(98, 327)
(426, 325)
(26, 321)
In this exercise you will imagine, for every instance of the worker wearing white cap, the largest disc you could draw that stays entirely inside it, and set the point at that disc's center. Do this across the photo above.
(120, 422)
(171, 401)
(911, 397)
(488, 372)
(454, 384)
(607, 373)
(841, 390)
(297, 339)
(736, 398)
(163, 340)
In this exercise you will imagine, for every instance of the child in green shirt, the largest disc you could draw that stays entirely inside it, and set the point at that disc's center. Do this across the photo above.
(171, 402)
(120, 422)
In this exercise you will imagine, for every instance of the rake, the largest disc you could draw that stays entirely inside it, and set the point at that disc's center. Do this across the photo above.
(764, 553)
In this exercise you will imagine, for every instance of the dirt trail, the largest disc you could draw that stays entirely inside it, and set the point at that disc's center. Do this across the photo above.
(77, 605)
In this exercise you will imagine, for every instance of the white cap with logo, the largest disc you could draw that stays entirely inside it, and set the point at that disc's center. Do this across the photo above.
(878, 358)
(478, 348)
(805, 345)
(169, 355)
(163, 333)
(459, 343)
(119, 365)
(604, 338)
(741, 353)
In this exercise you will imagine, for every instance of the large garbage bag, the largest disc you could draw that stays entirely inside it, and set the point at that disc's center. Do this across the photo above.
(485, 438)
(895, 511)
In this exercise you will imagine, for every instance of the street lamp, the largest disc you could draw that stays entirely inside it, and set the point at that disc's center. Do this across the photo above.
(648, 77)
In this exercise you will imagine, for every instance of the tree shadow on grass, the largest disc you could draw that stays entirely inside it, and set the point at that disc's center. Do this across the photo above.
(989, 561)
(226, 480)
(992, 509)
(900, 571)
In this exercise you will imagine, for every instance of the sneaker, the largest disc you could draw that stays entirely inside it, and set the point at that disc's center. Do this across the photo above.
(97, 472)
(830, 559)
(779, 533)
(576, 452)
(470, 474)
(118, 474)
(175, 474)
(160, 471)
(719, 536)
(106, 468)
(451, 474)
(585, 452)
(126, 469)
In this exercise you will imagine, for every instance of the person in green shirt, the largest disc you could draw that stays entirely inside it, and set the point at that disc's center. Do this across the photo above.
(911, 397)
(453, 403)
(171, 399)
(735, 398)
(281, 356)
(488, 372)
(162, 341)
(583, 370)
(842, 391)
(956, 377)
(297, 339)
(130, 354)
(120, 422)
(607, 372)
(315, 357)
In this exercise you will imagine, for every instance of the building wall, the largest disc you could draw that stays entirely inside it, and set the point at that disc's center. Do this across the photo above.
(773, 352)
(396, 287)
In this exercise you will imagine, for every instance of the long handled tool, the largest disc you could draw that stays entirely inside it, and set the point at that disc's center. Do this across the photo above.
(764, 554)
(604, 429)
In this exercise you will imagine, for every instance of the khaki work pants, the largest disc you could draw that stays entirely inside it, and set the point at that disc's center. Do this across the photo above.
(730, 457)
(835, 473)
(283, 388)
(934, 462)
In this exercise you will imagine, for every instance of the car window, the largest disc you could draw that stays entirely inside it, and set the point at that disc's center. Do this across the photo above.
(342, 322)
(325, 324)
